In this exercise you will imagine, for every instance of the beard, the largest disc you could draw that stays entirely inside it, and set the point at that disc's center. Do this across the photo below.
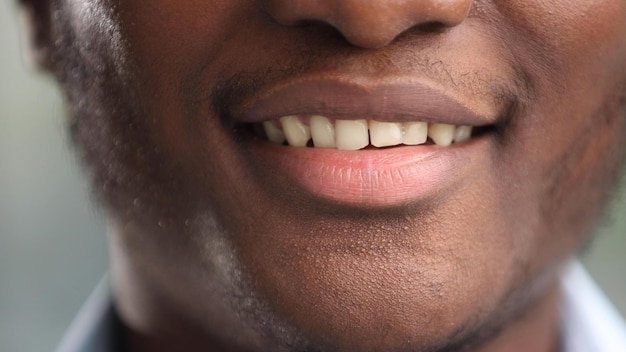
(139, 184)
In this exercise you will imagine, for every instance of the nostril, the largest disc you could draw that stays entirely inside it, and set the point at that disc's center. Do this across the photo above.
(431, 27)
(295, 12)
(374, 24)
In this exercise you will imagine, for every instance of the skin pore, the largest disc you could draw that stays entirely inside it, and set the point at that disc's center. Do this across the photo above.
(217, 246)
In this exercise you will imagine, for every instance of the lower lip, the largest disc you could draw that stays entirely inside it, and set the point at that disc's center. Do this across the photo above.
(371, 177)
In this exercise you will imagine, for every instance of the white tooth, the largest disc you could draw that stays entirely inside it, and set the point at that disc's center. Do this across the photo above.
(296, 132)
(385, 134)
(442, 134)
(274, 134)
(415, 133)
(351, 134)
(323, 132)
(462, 134)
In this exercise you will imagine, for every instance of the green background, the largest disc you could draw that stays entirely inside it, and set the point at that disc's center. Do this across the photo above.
(52, 237)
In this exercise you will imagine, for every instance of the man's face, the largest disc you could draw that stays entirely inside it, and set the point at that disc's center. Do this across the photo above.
(402, 247)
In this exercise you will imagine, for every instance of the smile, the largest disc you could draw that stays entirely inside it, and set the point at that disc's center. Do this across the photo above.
(409, 141)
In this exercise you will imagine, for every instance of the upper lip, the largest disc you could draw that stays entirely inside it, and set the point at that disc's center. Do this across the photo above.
(390, 99)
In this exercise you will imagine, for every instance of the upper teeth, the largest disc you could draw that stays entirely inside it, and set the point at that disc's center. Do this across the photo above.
(358, 134)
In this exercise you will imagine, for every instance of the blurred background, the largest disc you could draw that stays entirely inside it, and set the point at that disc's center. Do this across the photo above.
(52, 238)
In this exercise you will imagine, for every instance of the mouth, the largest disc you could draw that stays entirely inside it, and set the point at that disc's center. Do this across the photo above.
(385, 144)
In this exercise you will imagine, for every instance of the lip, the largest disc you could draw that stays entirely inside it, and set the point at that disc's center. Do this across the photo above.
(389, 99)
(371, 177)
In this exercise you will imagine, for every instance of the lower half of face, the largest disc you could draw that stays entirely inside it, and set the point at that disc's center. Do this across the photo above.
(314, 194)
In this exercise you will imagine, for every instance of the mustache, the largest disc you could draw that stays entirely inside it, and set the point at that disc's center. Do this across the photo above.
(230, 91)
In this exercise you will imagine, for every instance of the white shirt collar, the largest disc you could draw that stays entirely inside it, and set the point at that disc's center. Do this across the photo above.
(590, 322)
(96, 327)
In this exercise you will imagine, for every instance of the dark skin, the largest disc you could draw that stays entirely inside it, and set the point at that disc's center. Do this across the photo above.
(218, 243)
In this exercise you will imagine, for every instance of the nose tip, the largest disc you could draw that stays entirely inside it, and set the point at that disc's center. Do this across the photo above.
(371, 24)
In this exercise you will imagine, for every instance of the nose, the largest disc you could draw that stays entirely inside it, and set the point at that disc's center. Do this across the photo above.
(370, 23)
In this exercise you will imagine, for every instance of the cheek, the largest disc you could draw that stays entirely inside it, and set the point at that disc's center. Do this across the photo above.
(565, 39)
(564, 159)
(559, 157)
(574, 56)
(566, 22)
(167, 41)
(174, 35)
